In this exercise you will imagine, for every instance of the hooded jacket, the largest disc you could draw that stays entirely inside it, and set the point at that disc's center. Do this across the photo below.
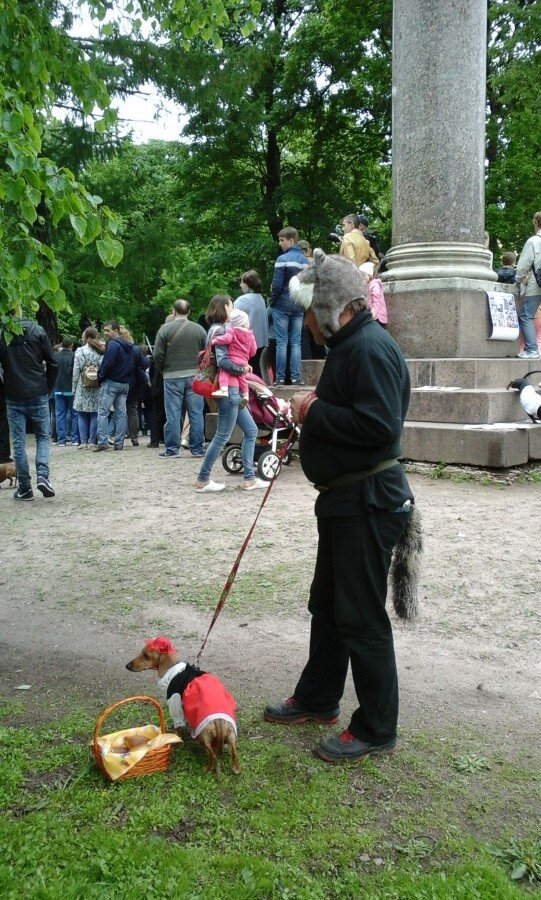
(25, 375)
(286, 266)
(118, 361)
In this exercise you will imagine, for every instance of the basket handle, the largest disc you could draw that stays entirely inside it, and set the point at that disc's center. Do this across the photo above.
(142, 698)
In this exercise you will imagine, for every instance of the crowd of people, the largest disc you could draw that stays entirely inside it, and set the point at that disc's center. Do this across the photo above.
(110, 389)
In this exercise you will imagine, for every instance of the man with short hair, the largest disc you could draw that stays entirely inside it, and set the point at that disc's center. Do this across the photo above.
(30, 367)
(287, 315)
(354, 245)
(176, 352)
(114, 376)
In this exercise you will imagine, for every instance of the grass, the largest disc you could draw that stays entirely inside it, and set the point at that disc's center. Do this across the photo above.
(413, 826)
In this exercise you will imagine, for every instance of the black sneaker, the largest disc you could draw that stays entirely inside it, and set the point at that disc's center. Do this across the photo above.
(134, 442)
(299, 383)
(288, 712)
(278, 383)
(23, 495)
(45, 486)
(99, 448)
(346, 747)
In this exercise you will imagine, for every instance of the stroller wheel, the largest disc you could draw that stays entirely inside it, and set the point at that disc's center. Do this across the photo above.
(232, 459)
(268, 465)
(286, 459)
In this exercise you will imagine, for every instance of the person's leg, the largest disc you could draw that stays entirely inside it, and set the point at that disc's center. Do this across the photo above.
(39, 413)
(227, 416)
(173, 389)
(83, 420)
(16, 414)
(295, 331)
(321, 684)
(93, 436)
(525, 318)
(5, 449)
(121, 419)
(104, 404)
(133, 418)
(281, 329)
(74, 425)
(195, 406)
(249, 432)
(156, 421)
(255, 362)
(60, 408)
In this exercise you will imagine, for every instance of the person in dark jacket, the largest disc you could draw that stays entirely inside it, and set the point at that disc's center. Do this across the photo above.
(507, 272)
(30, 369)
(287, 315)
(349, 448)
(5, 450)
(114, 377)
(65, 415)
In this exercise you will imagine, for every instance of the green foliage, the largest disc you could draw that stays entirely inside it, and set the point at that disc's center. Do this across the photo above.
(38, 62)
(523, 859)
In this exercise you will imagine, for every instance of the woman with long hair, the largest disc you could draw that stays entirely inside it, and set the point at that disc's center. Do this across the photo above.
(229, 411)
(85, 399)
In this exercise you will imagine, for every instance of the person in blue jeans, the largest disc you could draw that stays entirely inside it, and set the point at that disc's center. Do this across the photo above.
(530, 261)
(30, 368)
(229, 412)
(114, 376)
(66, 416)
(287, 315)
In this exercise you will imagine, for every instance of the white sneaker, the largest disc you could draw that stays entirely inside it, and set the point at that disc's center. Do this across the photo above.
(255, 485)
(221, 392)
(210, 487)
(184, 443)
(528, 354)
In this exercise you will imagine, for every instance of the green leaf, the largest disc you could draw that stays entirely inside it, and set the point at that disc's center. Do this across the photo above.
(519, 871)
(78, 223)
(110, 251)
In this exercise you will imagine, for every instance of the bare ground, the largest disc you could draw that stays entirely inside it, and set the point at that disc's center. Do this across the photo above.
(127, 550)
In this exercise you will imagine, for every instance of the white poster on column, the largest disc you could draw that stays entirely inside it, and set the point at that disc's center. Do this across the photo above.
(503, 316)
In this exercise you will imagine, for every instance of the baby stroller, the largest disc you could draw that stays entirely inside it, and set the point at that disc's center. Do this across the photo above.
(275, 429)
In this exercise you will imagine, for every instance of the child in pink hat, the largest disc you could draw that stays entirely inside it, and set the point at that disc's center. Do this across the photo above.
(241, 345)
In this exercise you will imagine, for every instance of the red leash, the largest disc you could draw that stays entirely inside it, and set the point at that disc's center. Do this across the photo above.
(232, 575)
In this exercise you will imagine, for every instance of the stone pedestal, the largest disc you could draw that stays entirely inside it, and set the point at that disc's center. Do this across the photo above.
(444, 317)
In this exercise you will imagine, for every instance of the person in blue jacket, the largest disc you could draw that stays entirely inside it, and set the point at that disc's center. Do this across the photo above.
(286, 314)
(114, 376)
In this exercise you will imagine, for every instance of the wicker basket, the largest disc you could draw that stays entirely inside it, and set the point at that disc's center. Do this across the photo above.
(154, 761)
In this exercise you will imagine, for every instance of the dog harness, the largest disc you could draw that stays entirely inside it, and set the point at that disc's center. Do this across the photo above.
(196, 697)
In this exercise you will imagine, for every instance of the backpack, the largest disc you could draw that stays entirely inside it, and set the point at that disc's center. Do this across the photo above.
(205, 379)
(536, 272)
(89, 376)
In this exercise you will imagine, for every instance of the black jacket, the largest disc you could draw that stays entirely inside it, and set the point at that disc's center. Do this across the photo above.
(29, 363)
(64, 378)
(357, 420)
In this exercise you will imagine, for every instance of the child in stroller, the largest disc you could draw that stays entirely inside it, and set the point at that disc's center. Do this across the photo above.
(276, 429)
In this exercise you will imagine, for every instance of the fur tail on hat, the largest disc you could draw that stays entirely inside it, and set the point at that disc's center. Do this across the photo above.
(405, 567)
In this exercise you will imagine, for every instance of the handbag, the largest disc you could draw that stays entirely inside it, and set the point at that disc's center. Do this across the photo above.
(206, 378)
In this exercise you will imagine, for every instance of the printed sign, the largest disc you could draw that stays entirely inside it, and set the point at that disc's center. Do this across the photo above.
(503, 316)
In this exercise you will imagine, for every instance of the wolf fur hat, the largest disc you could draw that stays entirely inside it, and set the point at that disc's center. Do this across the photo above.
(327, 287)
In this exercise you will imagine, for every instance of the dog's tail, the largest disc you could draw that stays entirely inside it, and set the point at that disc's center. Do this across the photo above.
(405, 567)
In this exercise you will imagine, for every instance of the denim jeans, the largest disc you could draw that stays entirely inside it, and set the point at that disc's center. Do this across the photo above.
(230, 415)
(525, 318)
(288, 328)
(88, 427)
(66, 418)
(177, 393)
(112, 393)
(19, 411)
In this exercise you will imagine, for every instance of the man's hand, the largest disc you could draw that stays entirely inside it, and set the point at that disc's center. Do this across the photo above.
(300, 404)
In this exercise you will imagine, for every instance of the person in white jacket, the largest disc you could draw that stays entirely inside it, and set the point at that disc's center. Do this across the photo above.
(530, 260)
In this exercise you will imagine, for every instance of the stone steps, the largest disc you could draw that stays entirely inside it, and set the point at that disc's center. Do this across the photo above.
(467, 406)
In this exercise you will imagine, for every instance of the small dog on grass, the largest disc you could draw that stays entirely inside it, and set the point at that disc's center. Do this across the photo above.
(7, 470)
(194, 697)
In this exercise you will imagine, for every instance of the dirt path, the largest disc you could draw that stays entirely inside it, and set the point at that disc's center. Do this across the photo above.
(127, 550)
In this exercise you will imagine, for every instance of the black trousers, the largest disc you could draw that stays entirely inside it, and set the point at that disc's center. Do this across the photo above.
(157, 419)
(350, 623)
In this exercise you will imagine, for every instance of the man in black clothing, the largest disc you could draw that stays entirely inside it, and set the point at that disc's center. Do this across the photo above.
(349, 448)
(30, 369)
(5, 452)
(369, 235)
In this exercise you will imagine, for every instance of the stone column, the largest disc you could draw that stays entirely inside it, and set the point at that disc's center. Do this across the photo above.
(439, 108)
(438, 268)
